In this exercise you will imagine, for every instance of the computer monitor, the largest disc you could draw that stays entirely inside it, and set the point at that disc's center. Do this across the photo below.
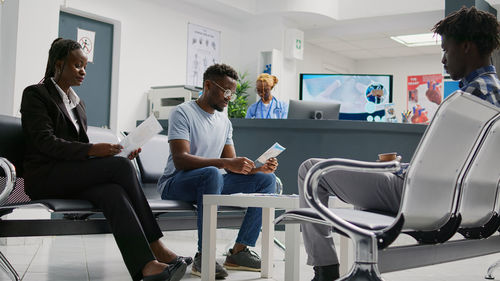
(362, 96)
(301, 109)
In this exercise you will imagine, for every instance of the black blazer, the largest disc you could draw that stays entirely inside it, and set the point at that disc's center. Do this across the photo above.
(50, 135)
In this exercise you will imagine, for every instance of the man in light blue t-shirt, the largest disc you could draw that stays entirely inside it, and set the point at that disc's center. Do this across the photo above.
(201, 145)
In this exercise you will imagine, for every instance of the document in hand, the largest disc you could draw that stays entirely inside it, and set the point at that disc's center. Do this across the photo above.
(140, 135)
(273, 151)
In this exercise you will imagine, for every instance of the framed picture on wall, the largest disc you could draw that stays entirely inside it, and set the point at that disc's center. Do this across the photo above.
(203, 50)
(425, 93)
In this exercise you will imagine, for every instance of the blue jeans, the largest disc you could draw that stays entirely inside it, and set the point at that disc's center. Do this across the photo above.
(191, 185)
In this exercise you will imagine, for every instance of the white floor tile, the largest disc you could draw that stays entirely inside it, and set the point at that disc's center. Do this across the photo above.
(55, 275)
(97, 258)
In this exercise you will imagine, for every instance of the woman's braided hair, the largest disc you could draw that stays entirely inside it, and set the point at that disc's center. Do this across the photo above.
(59, 50)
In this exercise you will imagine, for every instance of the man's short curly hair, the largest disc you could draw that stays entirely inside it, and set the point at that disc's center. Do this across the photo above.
(469, 24)
(218, 71)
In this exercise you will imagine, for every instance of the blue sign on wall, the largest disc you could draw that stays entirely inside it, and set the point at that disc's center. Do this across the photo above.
(450, 86)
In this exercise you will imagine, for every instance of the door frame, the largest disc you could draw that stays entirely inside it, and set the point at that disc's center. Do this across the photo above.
(115, 64)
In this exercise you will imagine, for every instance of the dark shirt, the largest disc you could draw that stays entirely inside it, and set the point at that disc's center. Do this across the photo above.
(483, 83)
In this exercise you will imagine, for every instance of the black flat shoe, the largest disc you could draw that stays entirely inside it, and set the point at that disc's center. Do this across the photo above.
(187, 260)
(173, 272)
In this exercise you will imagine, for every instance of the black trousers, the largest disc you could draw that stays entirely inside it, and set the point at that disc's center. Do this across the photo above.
(112, 185)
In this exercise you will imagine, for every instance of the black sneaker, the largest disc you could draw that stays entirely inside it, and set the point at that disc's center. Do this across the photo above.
(220, 272)
(243, 260)
(326, 272)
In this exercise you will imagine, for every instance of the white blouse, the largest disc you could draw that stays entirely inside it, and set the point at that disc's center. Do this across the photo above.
(70, 100)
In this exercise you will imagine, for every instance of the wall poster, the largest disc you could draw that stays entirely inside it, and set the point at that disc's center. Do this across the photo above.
(425, 93)
(203, 51)
(86, 38)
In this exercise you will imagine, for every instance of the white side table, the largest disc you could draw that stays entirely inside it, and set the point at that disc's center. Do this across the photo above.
(268, 203)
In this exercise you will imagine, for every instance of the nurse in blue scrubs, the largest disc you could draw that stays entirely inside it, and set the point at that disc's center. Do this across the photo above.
(268, 107)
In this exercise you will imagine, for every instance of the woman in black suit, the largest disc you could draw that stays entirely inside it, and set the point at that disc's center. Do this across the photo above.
(61, 163)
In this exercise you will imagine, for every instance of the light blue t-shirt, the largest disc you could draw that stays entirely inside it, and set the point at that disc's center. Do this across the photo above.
(207, 133)
(276, 109)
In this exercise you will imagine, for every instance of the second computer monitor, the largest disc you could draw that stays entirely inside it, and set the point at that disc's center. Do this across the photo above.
(300, 109)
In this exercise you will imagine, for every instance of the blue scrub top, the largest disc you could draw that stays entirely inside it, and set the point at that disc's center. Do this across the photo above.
(276, 110)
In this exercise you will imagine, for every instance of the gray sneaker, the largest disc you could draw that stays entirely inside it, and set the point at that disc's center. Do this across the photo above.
(243, 260)
(220, 272)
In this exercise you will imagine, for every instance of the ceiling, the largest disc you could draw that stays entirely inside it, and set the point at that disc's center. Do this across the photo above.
(357, 29)
(369, 38)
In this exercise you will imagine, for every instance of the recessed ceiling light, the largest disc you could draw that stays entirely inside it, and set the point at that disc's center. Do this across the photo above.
(417, 40)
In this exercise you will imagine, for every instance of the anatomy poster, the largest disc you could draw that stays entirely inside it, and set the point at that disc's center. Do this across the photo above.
(425, 93)
(203, 51)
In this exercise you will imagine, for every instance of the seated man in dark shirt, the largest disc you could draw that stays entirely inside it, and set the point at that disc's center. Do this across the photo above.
(469, 37)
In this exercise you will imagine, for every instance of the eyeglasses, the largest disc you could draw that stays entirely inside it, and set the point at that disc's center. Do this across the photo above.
(227, 93)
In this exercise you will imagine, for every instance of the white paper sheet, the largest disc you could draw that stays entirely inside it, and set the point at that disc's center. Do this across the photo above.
(273, 151)
(140, 135)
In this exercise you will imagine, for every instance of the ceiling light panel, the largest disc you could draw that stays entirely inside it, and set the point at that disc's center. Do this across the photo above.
(418, 40)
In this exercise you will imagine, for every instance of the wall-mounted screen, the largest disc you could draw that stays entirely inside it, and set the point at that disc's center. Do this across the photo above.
(362, 96)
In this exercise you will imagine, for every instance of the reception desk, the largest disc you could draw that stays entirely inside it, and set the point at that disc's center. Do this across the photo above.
(304, 139)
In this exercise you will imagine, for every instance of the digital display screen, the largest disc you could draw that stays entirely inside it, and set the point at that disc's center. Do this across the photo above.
(362, 97)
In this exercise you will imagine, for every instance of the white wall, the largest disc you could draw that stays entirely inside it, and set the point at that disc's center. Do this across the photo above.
(152, 47)
(153, 50)
(8, 39)
(319, 60)
(260, 36)
(349, 9)
(265, 35)
(1, 24)
(401, 68)
(25, 39)
(35, 31)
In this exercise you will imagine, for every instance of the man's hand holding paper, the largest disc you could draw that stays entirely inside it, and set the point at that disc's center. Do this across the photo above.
(240, 165)
(272, 152)
(269, 167)
(267, 162)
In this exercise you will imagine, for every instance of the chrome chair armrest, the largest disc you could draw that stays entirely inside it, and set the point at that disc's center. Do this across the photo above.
(279, 186)
(10, 179)
(360, 236)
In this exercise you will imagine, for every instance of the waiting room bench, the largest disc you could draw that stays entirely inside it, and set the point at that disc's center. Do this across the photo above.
(452, 186)
(71, 217)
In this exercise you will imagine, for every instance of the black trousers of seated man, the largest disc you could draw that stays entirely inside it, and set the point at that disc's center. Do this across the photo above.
(110, 184)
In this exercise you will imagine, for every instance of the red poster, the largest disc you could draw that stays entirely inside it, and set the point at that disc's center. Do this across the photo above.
(425, 93)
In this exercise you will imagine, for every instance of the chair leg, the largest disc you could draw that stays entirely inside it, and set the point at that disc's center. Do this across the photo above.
(363, 272)
(8, 268)
(489, 274)
(365, 267)
(279, 244)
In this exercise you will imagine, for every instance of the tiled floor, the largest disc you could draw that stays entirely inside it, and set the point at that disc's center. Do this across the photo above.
(96, 258)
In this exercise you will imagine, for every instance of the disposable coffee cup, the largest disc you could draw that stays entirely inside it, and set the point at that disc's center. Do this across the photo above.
(384, 157)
